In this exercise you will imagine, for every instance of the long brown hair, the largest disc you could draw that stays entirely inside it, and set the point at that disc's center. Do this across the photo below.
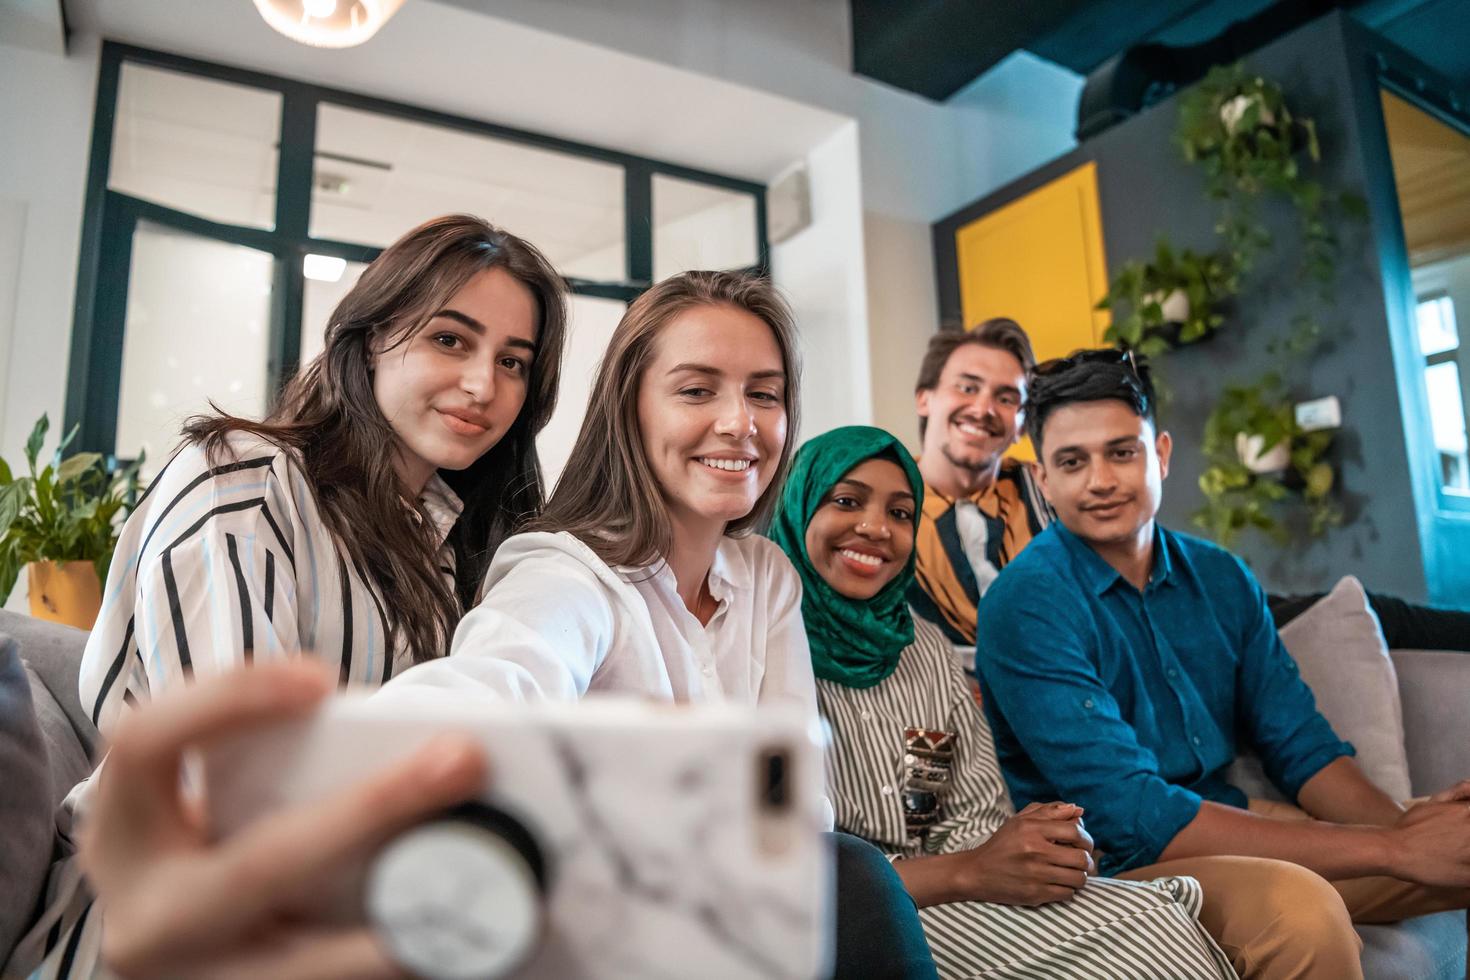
(329, 415)
(608, 495)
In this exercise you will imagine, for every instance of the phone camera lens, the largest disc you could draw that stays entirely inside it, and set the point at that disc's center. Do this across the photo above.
(775, 769)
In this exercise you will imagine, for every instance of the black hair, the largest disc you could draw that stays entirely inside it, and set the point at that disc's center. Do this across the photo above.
(1088, 376)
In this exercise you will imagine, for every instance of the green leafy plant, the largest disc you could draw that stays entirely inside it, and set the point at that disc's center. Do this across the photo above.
(1238, 127)
(1236, 497)
(69, 510)
(1168, 302)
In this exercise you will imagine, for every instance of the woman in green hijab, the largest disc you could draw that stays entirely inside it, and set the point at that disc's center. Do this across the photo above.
(913, 768)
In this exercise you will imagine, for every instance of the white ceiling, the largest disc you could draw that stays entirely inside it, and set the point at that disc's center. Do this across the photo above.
(471, 64)
(203, 146)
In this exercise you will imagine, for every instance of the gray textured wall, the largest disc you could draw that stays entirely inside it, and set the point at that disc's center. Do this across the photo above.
(1146, 190)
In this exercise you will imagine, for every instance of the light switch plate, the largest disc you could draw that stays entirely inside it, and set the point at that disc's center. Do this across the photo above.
(1319, 413)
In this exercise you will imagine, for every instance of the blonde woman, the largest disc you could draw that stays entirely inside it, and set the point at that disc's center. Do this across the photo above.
(642, 576)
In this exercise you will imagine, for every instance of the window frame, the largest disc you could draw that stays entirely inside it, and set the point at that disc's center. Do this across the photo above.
(94, 375)
(1462, 368)
(1383, 67)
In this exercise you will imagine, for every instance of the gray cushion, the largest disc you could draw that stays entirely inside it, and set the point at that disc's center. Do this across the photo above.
(54, 653)
(1339, 649)
(67, 759)
(1434, 686)
(26, 826)
(1431, 947)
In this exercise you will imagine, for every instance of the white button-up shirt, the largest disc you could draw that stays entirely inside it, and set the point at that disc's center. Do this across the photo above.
(558, 622)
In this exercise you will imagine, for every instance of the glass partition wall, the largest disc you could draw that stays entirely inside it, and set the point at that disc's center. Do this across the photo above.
(229, 211)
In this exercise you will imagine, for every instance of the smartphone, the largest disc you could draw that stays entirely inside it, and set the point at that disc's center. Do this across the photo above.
(614, 838)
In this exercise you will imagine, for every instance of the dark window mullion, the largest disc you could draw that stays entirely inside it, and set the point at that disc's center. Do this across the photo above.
(351, 251)
(638, 220)
(763, 246)
(259, 239)
(294, 175)
(103, 387)
(84, 370)
(604, 290)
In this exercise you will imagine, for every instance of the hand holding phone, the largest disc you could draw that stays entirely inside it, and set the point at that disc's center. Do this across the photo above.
(617, 838)
(180, 902)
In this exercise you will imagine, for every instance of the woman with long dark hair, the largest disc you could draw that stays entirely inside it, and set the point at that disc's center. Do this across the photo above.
(355, 522)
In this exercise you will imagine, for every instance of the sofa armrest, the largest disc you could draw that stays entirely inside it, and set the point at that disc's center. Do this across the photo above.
(1434, 686)
(54, 654)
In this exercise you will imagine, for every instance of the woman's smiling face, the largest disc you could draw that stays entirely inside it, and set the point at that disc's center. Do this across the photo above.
(712, 414)
(862, 534)
(452, 390)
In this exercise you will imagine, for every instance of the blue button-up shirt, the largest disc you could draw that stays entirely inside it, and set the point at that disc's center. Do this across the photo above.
(1131, 704)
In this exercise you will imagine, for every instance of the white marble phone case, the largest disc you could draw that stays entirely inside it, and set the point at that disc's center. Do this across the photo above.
(664, 861)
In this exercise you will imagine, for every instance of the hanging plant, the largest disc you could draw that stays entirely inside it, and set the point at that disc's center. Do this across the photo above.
(1240, 129)
(1262, 461)
(1168, 302)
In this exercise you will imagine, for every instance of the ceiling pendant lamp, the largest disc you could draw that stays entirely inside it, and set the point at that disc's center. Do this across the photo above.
(327, 23)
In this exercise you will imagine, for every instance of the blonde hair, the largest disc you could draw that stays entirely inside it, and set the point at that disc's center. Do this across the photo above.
(608, 496)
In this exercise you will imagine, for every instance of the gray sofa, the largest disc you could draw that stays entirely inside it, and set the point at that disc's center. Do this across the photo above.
(1434, 688)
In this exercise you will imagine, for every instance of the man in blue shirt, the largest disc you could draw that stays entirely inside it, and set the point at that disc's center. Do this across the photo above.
(1120, 664)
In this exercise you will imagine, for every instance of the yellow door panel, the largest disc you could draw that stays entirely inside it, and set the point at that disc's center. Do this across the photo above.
(1039, 261)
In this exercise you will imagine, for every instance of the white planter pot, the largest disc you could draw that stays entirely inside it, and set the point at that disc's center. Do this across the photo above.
(1248, 448)
(1233, 111)
(1174, 306)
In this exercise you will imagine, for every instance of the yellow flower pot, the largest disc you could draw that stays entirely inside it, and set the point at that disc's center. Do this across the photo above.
(65, 592)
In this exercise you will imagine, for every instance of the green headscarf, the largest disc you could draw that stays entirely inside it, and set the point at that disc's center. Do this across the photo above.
(854, 642)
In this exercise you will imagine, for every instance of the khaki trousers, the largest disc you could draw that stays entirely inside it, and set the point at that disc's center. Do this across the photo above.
(1278, 920)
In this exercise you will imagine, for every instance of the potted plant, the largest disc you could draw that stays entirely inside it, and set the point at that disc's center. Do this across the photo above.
(1259, 457)
(1238, 126)
(61, 523)
(1168, 302)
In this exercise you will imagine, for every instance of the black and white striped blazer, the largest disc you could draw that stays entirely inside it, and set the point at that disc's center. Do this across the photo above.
(228, 559)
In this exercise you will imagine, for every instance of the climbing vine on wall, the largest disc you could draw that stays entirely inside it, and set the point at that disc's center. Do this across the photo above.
(1252, 146)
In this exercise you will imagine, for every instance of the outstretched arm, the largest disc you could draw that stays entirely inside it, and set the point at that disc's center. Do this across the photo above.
(180, 903)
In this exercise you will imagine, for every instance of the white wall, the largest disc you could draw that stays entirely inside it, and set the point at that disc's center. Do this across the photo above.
(46, 119)
(1016, 116)
(822, 271)
(902, 312)
(46, 116)
(12, 249)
